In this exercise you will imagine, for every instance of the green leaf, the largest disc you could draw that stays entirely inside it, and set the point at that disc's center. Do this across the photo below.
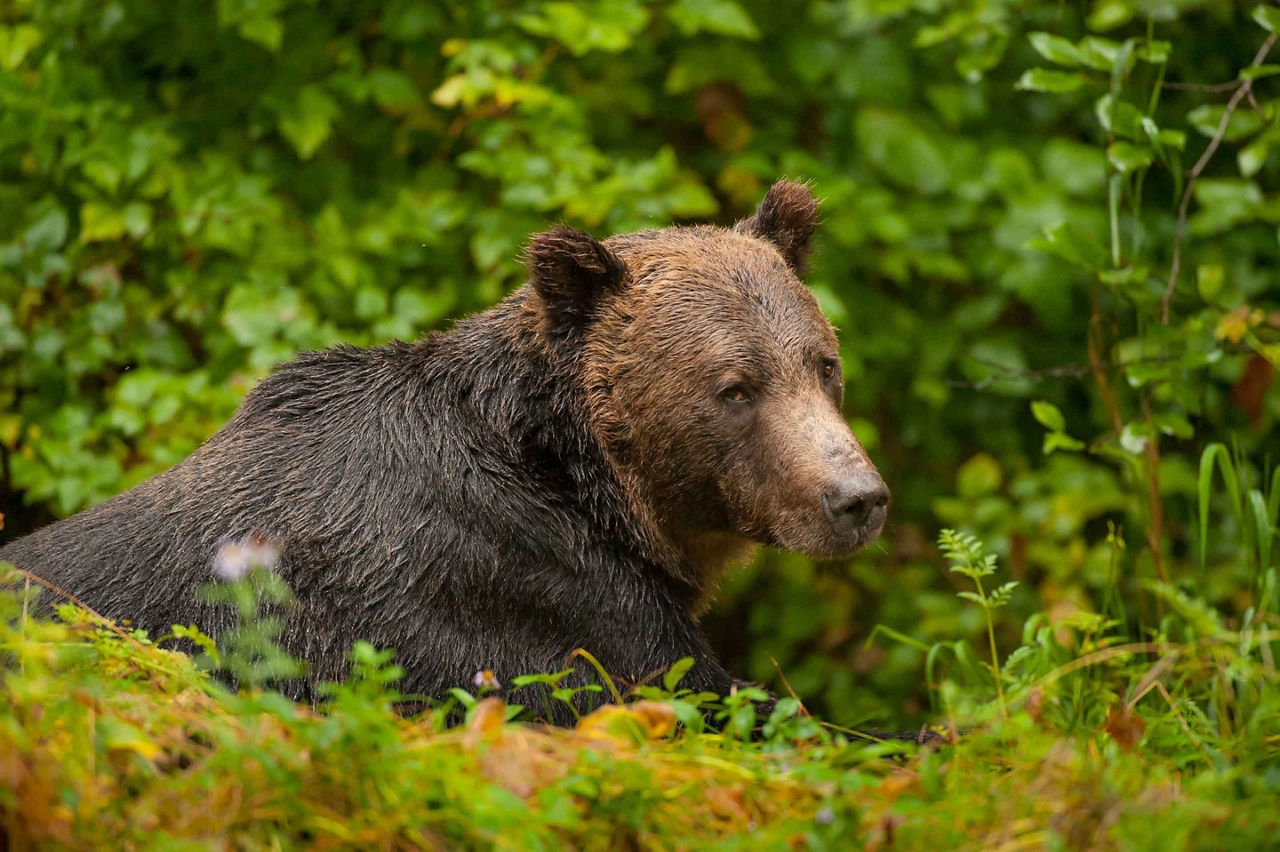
(307, 120)
(979, 475)
(1060, 441)
(1119, 117)
(100, 223)
(723, 17)
(1048, 415)
(1243, 122)
(607, 25)
(1127, 157)
(1252, 157)
(1100, 54)
(137, 219)
(265, 31)
(1254, 72)
(1071, 244)
(1174, 423)
(1209, 280)
(1154, 52)
(1045, 80)
(392, 90)
(15, 43)
(906, 155)
(1267, 17)
(676, 673)
(1055, 48)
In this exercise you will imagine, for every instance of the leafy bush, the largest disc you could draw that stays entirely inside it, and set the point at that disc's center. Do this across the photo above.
(1050, 227)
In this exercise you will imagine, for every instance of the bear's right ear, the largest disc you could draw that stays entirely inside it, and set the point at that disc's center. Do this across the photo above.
(571, 270)
(787, 217)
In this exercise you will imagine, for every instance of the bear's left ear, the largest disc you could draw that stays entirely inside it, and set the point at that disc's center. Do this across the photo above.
(571, 270)
(787, 218)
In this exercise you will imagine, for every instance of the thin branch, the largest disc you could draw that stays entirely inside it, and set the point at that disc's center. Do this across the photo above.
(1074, 370)
(1204, 87)
(1212, 148)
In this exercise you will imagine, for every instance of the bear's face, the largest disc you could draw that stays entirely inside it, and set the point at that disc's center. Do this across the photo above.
(714, 381)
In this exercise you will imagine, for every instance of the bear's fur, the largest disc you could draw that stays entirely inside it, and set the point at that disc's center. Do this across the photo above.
(573, 468)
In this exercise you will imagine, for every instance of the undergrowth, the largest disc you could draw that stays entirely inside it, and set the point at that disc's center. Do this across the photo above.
(1079, 737)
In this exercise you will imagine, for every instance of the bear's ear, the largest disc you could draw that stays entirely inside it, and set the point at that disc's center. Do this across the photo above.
(571, 270)
(787, 218)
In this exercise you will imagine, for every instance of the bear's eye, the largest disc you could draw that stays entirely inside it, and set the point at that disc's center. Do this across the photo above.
(737, 393)
(828, 370)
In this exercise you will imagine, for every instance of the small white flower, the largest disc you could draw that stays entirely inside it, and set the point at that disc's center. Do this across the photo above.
(235, 557)
(486, 680)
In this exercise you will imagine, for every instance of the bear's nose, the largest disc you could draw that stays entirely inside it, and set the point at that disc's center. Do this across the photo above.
(857, 503)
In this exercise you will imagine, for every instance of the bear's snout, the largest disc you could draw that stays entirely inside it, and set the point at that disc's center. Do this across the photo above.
(856, 506)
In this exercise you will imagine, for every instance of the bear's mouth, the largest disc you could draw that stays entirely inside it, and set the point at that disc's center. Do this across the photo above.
(823, 542)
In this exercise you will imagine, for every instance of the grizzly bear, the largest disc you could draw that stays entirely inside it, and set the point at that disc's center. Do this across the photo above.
(573, 468)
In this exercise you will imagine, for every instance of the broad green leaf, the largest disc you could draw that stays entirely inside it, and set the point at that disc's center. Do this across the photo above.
(266, 31)
(1048, 415)
(15, 43)
(1071, 244)
(1207, 117)
(607, 25)
(1055, 48)
(1268, 17)
(1209, 280)
(1155, 52)
(1045, 80)
(723, 17)
(100, 223)
(1175, 424)
(979, 475)
(1100, 54)
(1127, 157)
(307, 121)
(392, 90)
(1119, 117)
(898, 146)
(1252, 157)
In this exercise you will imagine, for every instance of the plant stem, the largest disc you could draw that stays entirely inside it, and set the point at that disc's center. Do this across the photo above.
(995, 658)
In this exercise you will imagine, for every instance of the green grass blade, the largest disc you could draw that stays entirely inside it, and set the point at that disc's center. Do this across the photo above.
(1215, 451)
(1262, 526)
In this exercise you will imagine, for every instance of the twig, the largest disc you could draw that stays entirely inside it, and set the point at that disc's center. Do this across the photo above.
(804, 711)
(1074, 370)
(1204, 87)
(1209, 151)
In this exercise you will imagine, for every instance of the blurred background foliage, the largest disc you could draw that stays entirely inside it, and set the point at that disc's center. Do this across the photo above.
(192, 192)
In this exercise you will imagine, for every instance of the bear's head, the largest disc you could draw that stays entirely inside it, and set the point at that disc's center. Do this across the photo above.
(714, 381)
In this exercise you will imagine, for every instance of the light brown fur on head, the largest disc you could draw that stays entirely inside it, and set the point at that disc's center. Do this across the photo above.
(714, 388)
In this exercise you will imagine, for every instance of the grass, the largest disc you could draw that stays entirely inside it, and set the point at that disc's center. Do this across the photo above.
(1079, 738)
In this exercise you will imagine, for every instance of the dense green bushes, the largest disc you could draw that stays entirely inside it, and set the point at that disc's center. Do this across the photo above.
(190, 194)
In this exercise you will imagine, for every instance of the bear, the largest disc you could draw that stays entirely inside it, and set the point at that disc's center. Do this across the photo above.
(575, 467)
